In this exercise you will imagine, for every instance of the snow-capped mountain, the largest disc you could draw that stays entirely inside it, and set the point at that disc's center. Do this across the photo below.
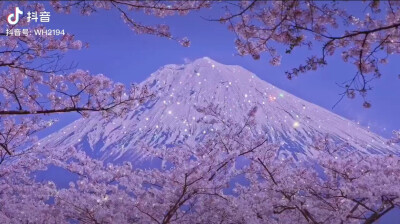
(171, 118)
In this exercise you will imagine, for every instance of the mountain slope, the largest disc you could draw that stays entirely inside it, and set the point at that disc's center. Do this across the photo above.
(171, 118)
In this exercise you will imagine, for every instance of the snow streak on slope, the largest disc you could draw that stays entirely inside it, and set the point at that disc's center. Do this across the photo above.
(171, 117)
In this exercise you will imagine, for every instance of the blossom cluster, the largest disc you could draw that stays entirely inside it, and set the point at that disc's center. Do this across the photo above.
(233, 176)
(365, 41)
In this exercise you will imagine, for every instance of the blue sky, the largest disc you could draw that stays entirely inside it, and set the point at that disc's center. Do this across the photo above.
(126, 57)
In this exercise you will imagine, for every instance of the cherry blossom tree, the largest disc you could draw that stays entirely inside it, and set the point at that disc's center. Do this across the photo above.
(193, 182)
(154, 8)
(365, 41)
(235, 175)
(34, 83)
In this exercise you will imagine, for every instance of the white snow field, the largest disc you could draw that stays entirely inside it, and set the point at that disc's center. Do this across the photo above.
(171, 117)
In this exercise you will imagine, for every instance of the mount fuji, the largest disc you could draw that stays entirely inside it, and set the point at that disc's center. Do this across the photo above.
(170, 118)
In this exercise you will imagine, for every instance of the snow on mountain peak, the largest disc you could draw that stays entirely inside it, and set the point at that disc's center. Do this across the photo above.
(171, 118)
(205, 69)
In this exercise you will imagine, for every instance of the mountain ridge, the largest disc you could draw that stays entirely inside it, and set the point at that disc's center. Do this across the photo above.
(171, 118)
